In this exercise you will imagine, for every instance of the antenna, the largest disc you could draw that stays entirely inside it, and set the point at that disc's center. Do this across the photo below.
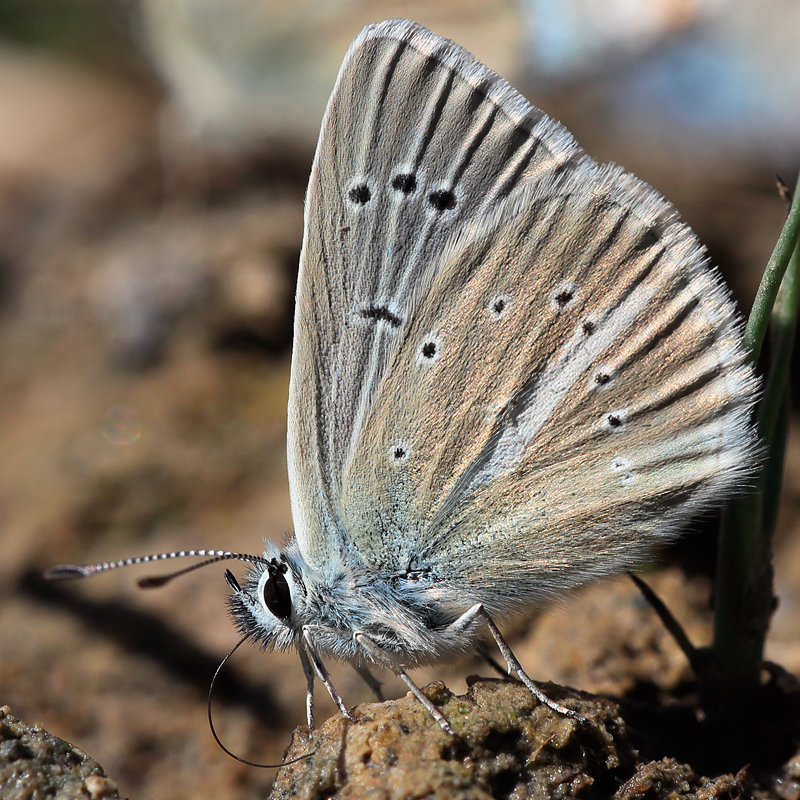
(67, 572)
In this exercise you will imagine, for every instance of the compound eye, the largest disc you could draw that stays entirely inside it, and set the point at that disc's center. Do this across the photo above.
(277, 596)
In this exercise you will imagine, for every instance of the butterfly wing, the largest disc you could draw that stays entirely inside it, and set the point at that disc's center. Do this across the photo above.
(386, 193)
(514, 370)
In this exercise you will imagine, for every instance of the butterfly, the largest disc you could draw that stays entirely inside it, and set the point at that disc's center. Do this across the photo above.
(513, 372)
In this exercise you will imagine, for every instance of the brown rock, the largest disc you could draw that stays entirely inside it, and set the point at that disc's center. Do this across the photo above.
(507, 745)
(34, 763)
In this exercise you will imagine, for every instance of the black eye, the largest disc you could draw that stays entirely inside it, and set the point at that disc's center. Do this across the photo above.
(277, 597)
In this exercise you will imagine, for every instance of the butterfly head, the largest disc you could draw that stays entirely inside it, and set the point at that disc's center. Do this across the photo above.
(270, 605)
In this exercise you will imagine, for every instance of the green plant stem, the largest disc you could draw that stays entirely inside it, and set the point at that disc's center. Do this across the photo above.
(744, 598)
(774, 475)
(764, 301)
(783, 329)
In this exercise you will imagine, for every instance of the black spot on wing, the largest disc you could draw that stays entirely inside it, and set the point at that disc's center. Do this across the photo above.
(442, 200)
(563, 297)
(429, 349)
(359, 194)
(404, 182)
(381, 314)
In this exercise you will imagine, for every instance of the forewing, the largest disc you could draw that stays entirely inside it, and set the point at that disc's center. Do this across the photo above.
(419, 141)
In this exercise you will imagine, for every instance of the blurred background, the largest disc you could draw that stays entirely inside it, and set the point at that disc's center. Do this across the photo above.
(153, 161)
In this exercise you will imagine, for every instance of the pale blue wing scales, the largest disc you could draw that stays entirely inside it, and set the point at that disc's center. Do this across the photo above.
(410, 152)
(566, 435)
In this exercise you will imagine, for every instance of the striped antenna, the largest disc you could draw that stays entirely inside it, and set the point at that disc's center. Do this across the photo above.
(66, 572)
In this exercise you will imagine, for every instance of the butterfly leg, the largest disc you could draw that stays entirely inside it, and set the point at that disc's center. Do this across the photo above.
(322, 674)
(465, 627)
(379, 657)
(308, 671)
(515, 667)
(370, 680)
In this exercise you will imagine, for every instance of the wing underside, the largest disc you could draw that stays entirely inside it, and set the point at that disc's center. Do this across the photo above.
(509, 361)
